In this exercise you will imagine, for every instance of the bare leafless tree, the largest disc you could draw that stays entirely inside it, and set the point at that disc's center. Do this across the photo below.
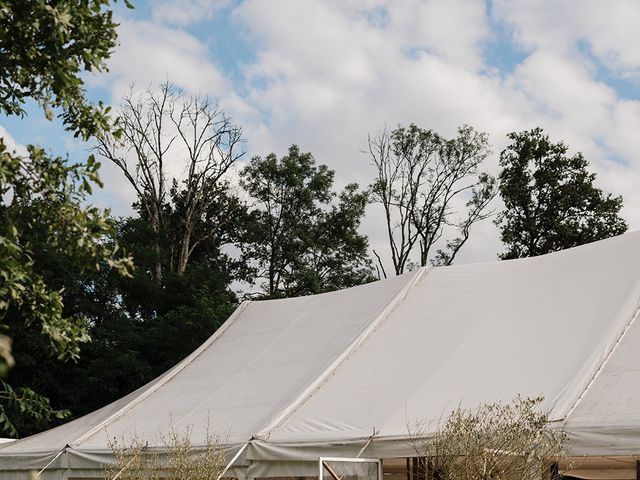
(178, 145)
(421, 177)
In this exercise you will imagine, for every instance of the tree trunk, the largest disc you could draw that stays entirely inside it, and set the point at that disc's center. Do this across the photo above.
(156, 274)
(183, 256)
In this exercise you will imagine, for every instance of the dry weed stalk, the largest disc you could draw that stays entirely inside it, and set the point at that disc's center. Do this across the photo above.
(497, 441)
(174, 457)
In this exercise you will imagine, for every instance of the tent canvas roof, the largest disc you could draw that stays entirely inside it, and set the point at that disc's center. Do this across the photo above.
(304, 376)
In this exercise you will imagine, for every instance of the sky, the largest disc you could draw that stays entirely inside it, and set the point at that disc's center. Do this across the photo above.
(324, 74)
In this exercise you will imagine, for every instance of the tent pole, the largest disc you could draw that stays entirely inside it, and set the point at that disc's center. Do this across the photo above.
(367, 444)
(53, 460)
(126, 465)
(235, 457)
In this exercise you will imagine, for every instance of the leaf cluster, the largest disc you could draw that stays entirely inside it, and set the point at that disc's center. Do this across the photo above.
(24, 402)
(47, 194)
(45, 45)
(551, 201)
(298, 238)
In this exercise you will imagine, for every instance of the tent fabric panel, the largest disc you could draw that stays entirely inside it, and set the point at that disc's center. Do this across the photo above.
(388, 447)
(474, 333)
(613, 398)
(265, 359)
(290, 469)
(57, 438)
(603, 441)
(250, 370)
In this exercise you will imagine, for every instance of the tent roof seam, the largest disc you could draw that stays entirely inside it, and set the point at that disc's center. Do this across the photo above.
(604, 363)
(264, 432)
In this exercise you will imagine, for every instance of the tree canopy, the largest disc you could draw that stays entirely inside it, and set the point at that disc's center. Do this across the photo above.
(164, 131)
(44, 47)
(299, 240)
(550, 198)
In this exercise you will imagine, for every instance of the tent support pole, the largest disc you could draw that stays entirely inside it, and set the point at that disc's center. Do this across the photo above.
(133, 457)
(637, 469)
(331, 471)
(53, 460)
(367, 444)
(231, 462)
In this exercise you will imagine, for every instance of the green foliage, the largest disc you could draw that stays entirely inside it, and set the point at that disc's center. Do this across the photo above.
(48, 194)
(551, 202)
(139, 328)
(45, 46)
(44, 217)
(24, 402)
(298, 239)
(494, 441)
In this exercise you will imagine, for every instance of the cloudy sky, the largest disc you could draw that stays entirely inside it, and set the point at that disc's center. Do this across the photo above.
(324, 74)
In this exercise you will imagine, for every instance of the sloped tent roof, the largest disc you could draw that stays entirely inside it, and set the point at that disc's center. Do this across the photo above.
(298, 378)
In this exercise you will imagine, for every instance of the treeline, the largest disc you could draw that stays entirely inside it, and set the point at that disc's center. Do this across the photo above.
(94, 306)
(201, 230)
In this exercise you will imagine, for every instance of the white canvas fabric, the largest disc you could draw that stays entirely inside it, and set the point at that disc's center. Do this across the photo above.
(327, 375)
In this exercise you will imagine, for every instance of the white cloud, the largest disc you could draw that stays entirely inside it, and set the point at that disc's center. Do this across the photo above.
(151, 53)
(455, 30)
(608, 28)
(327, 73)
(11, 144)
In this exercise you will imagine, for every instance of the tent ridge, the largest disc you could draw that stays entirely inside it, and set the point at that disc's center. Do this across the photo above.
(603, 364)
(313, 387)
(177, 369)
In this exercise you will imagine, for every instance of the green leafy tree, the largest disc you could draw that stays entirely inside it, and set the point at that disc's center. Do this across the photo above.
(299, 239)
(44, 47)
(551, 202)
(139, 328)
(47, 219)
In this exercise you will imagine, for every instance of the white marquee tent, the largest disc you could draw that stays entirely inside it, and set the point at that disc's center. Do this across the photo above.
(288, 381)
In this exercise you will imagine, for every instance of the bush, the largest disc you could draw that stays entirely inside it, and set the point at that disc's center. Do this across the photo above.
(173, 457)
(495, 441)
